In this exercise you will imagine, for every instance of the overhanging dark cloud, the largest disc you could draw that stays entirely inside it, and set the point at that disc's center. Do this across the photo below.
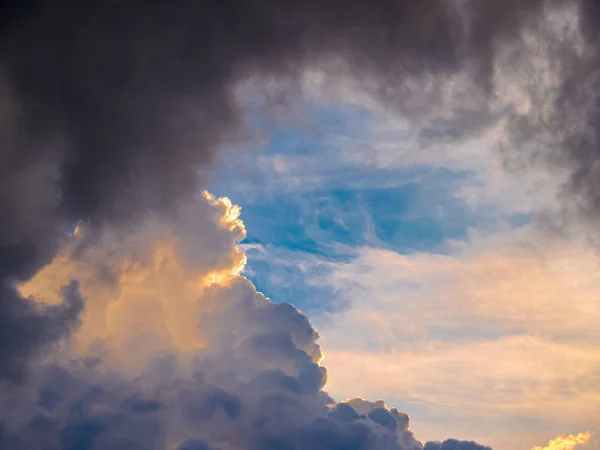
(137, 95)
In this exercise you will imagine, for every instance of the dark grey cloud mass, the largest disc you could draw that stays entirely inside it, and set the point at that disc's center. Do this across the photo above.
(109, 109)
(453, 444)
(256, 387)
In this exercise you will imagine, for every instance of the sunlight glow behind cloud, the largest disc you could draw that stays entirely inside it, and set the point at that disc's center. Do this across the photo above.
(566, 442)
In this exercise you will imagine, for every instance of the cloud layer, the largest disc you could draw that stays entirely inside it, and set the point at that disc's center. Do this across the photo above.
(500, 330)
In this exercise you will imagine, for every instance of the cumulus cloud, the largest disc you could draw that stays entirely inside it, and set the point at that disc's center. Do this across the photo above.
(177, 350)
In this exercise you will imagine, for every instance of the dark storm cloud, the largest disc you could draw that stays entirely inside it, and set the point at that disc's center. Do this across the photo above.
(577, 117)
(136, 95)
(140, 93)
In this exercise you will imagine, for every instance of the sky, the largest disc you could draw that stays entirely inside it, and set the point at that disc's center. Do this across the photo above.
(299, 225)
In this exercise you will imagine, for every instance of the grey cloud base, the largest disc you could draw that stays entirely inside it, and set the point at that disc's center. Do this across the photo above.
(230, 401)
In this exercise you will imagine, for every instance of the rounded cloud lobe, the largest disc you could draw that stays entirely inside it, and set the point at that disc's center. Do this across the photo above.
(177, 350)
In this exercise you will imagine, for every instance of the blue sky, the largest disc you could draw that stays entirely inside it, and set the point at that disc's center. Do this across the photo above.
(300, 196)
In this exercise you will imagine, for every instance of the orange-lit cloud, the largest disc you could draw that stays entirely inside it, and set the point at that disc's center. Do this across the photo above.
(145, 292)
(566, 442)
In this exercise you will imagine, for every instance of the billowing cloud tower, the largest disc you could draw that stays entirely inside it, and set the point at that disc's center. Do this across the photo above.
(177, 350)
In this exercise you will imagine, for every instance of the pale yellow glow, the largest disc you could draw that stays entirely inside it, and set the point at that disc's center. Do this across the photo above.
(566, 442)
(230, 218)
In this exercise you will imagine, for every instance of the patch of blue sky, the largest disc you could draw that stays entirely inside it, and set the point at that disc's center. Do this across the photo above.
(293, 277)
(419, 215)
(303, 197)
